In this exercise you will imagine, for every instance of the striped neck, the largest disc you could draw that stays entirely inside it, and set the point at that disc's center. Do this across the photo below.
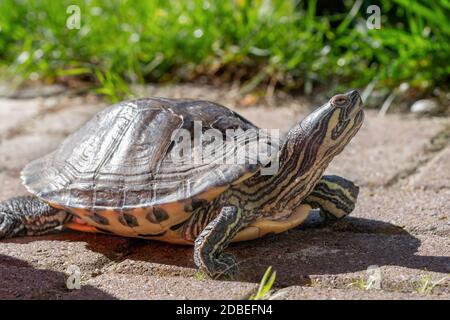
(300, 169)
(306, 152)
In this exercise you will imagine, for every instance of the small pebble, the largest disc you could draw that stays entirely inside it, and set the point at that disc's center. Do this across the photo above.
(426, 106)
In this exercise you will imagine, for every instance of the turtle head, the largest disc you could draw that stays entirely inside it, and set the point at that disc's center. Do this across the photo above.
(306, 152)
(310, 146)
(314, 141)
(335, 123)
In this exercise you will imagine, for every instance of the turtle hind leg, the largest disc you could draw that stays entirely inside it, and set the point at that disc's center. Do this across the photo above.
(209, 247)
(335, 197)
(28, 215)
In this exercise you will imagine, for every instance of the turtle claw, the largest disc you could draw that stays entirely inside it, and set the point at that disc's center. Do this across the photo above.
(209, 247)
(227, 266)
(223, 266)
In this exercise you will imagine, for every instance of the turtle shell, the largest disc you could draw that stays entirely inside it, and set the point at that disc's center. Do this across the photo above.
(118, 169)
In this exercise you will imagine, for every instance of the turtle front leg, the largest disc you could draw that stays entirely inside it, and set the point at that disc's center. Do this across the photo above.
(209, 247)
(335, 197)
(29, 215)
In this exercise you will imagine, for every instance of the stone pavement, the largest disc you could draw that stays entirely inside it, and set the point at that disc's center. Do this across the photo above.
(401, 223)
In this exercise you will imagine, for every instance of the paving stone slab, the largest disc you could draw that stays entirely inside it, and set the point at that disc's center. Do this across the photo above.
(15, 153)
(15, 112)
(29, 283)
(307, 293)
(320, 258)
(90, 252)
(390, 279)
(417, 211)
(41, 90)
(282, 118)
(227, 96)
(157, 259)
(303, 257)
(11, 185)
(66, 120)
(436, 173)
(22, 281)
(122, 286)
(299, 256)
(385, 147)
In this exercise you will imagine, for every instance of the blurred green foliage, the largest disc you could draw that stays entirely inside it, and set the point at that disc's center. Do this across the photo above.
(283, 43)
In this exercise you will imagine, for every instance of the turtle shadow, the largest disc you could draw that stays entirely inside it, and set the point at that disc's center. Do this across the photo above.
(164, 258)
(350, 245)
(20, 280)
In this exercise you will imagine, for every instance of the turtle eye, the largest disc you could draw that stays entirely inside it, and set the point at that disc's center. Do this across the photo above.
(339, 100)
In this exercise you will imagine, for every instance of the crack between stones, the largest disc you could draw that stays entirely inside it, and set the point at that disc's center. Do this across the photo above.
(428, 152)
(21, 128)
(406, 288)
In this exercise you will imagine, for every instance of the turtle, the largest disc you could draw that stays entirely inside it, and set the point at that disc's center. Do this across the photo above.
(124, 173)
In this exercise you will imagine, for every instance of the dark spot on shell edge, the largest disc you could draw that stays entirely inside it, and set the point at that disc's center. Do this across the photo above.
(158, 215)
(99, 219)
(130, 220)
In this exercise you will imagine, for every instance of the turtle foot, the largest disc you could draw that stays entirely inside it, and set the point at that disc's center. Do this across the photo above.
(225, 265)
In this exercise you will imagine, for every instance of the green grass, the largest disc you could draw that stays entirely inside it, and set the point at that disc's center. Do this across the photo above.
(426, 286)
(259, 43)
(200, 275)
(359, 283)
(265, 286)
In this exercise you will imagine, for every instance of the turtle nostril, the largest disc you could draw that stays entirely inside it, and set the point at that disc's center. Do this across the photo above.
(354, 97)
(354, 93)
